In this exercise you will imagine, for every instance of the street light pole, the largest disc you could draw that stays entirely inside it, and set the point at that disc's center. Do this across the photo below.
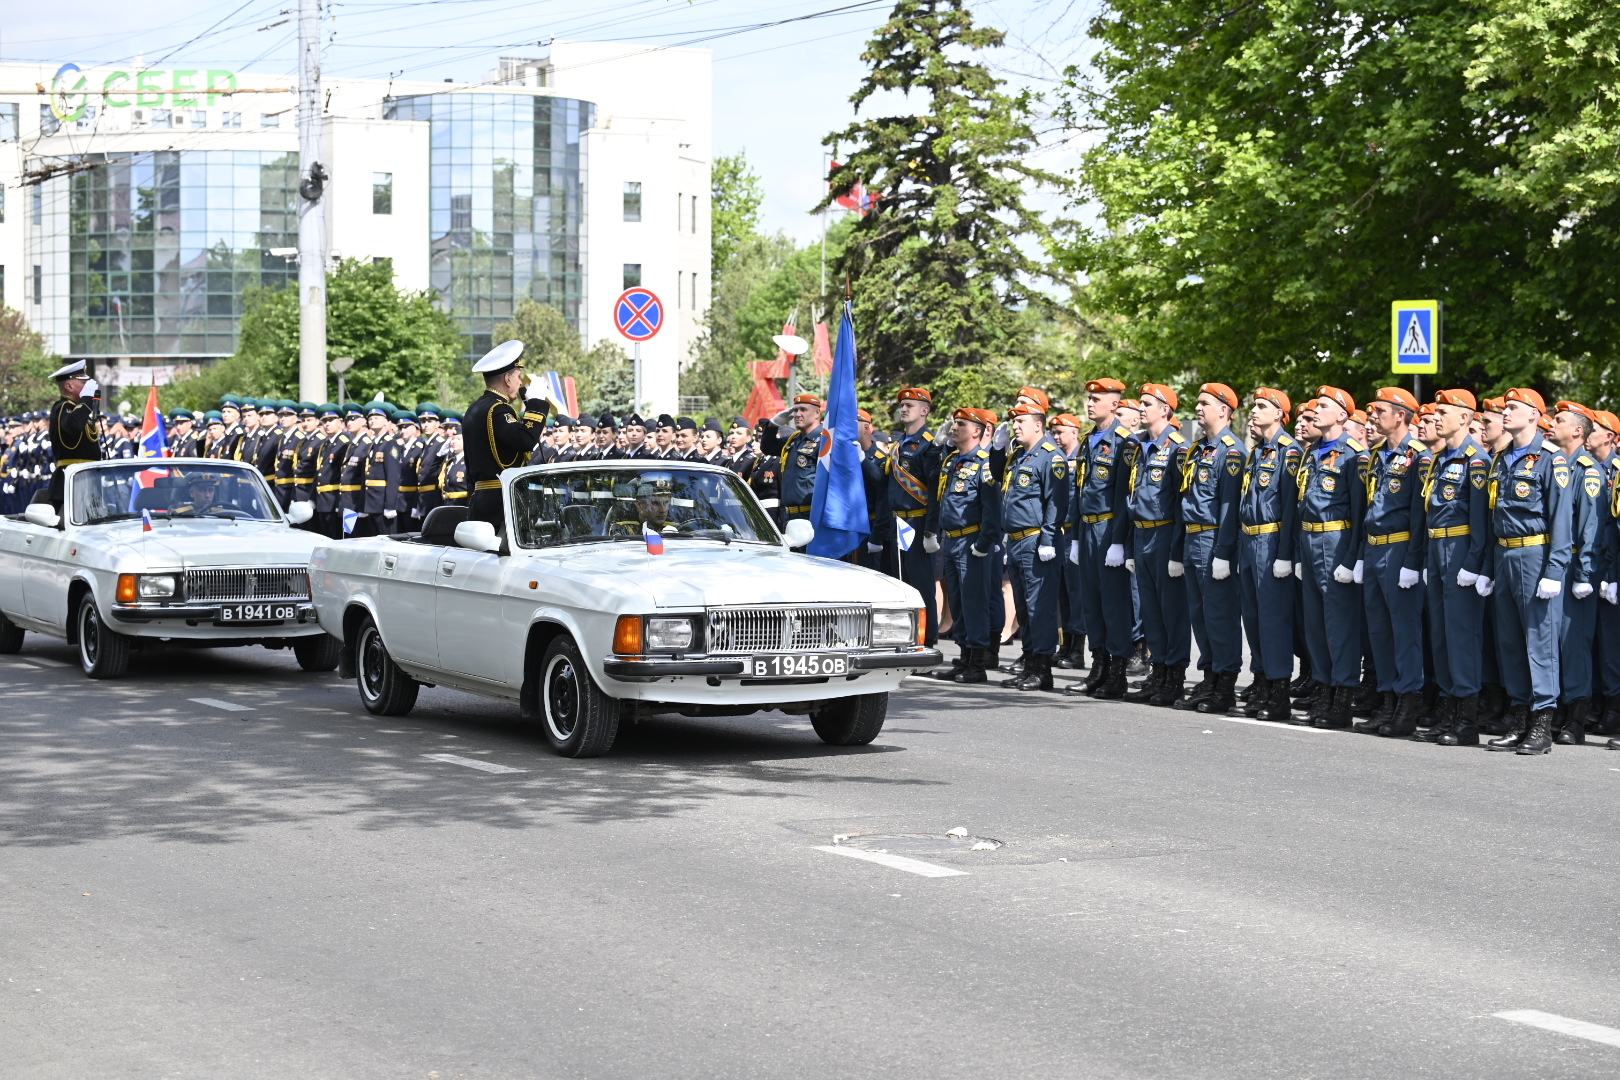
(311, 210)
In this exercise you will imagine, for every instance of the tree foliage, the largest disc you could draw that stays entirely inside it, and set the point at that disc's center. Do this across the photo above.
(25, 365)
(734, 201)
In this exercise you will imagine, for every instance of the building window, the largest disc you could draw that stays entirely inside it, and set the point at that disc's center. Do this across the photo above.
(199, 118)
(230, 120)
(39, 281)
(632, 275)
(8, 121)
(632, 200)
(39, 206)
(694, 290)
(680, 201)
(160, 118)
(48, 123)
(269, 120)
(87, 120)
(382, 193)
(680, 286)
(694, 214)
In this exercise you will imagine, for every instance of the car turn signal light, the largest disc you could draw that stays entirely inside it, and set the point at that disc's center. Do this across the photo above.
(922, 627)
(627, 635)
(126, 588)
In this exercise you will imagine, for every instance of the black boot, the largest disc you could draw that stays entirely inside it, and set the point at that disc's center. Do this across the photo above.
(1310, 698)
(1065, 657)
(1517, 720)
(1150, 686)
(1538, 739)
(1276, 707)
(1381, 714)
(1368, 699)
(1302, 684)
(1609, 723)
(1173, 687)
(1464, 727)
(1493, 707)
(1037, 674)
(1444, 715)
(1572, 731)
(1337, 714)
(973, 671)
(957, 667)
(1255, 696)
(1204, 688)
(991, 660)
(1222, 699)
(1137, 664)
(1113, 687)
(1017, 668)
(1405, 720)
(1099, 671)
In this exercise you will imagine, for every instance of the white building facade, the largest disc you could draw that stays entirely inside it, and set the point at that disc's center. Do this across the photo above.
(139, 206)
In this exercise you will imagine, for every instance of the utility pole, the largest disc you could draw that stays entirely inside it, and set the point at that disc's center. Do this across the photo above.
(312, 210)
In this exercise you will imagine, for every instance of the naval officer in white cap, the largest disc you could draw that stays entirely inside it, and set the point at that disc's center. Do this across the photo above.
(499, 431)
(74, 427)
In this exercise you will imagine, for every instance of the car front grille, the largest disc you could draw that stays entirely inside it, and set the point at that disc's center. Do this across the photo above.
(248, 583)
(797, 628)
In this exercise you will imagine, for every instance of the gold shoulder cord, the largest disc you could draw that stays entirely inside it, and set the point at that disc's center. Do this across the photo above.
(489, 423)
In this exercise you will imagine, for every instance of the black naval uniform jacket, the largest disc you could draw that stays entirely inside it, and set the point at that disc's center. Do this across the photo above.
(75, 437)
(497, 434)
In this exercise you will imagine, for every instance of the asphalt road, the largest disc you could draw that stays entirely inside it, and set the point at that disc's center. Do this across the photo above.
(293, 888)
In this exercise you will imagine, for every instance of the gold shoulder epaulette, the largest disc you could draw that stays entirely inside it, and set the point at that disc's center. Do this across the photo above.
(1228, 440)
(1285, 439)
(1048, 446)
(1177, 437)
(1354, 446)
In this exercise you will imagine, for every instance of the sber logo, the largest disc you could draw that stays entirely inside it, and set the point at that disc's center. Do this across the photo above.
(72, 89)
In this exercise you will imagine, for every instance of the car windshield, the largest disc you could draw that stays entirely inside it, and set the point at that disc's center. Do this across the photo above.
(579, 506)
(213, 492)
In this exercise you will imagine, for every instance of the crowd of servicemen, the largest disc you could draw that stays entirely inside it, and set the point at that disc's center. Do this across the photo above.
(1439, 571)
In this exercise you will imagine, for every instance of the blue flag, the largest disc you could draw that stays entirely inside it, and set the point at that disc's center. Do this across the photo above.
(838, 508)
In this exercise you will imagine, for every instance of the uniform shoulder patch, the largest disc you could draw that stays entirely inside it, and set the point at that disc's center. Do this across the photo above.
(1583, 461)
(985, 454)
(1285, 439)
(1060, 467)
(1177, 437)
(1354, 446)
(1469, 451)
(928, 436)
(1048, 446)
(1121, 432)
(1228, 440)
(1417, 447)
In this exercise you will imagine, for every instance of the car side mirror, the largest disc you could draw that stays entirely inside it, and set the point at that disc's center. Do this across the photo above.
(42, 514)
(300, 512)
(799, 533)
(477, 535)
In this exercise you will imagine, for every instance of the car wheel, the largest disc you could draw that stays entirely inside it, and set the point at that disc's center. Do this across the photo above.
(103, 652)
(851, 721)
(384, 689)
(577, 718)
(11, 635)
(317, 653)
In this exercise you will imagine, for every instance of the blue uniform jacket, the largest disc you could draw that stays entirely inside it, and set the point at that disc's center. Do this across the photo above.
(1271, 490)
(912, 466)
(1333, 489)
(1154, 487)
(969, 497)
(1455, 497)
(1530, 494)
(1395, 497)
(1034, 493)
(1588, 508)
(1102, 479)
(797, 453)
(1211, 482)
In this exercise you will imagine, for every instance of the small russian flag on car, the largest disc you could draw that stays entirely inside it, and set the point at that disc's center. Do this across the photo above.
(146, 521)
(655, 540)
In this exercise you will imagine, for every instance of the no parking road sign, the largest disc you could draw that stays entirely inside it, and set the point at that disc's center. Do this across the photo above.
(638, 313)
(1415, 337)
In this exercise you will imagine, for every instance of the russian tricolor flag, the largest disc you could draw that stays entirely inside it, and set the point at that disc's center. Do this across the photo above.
(655, 539)
(151, 444)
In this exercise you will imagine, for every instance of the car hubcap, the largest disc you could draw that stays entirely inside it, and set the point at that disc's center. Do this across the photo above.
(88, 631)
(562, 698)
(372, 659)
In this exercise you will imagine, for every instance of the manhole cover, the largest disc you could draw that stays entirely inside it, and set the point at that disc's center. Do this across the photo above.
(918, 843)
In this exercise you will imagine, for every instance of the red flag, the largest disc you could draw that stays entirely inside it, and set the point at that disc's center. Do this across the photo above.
(822, 351)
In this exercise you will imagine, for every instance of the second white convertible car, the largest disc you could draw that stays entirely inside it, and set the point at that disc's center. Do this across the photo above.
(621, 589)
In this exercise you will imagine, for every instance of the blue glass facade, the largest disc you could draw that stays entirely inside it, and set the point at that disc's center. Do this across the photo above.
(163, 245)
(507, 197)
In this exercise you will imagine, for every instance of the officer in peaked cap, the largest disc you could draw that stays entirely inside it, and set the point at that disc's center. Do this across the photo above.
(501, 430)
(73, 425)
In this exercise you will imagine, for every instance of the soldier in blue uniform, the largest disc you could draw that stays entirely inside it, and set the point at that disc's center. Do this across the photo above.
(1064, 430)
(1333, 499)
(1572, 426)
(1211, 483)
(1035, 493)
(1525, 565)
(876, 482)
(969, 500)
(912, 465)
(796, 450)
(1391, 563)
(1156, 548)
(1606, 650)
(1267, 509)
(1107, 454)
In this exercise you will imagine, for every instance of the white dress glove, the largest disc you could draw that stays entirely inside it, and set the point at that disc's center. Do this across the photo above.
(1581, 590)
(1130, 566)
(1547, 588)
(1002, 438)
(1220, 569)
(1074, 552)
(1484, 586)
(390, 514)
(930, 543)
(1115, 555)
(975, 552)
(1355, 575)
(1611, 592)
(1046, 552)
(1344, 575)
(1299, 570)
(1425, 577)
(874, 548)
(1465, 579)
(1409, 578)
(1175, 569)
(91, 389)
(1282, 568)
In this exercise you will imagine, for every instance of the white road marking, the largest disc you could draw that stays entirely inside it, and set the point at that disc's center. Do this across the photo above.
(216, 703)
(1563, 1025)
(472, 763)
(1273, 725)
(896, 862)
(43, 662)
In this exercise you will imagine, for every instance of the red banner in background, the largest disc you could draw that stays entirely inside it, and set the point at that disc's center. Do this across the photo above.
(822, 351)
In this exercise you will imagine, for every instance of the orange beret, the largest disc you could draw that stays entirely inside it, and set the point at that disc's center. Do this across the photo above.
(1492, 404)
(1608, 420)
(1163, 393)
(1395, 395)
(1429, 409)
(983, 417)
(914, 393)
(1220, 392)
(807, 399)
(1544, 422)
(1276, 397)
(1175, 423)
(1105, 386)
(988, 418)
(863, 416)
(1461, 398)
(1026, 408)
(1130, 403)
(1525, 396)
(1064, 420)
(1359, 417)
(1576, 407)
(1036, 395)
(1338, 397)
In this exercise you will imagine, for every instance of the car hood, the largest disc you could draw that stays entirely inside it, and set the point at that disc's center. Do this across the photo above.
(182, 545)
(688, 575)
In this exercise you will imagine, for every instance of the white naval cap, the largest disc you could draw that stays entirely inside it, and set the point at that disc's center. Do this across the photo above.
(70, 371)
(499, 358)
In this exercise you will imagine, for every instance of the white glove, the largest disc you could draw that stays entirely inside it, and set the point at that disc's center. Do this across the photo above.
(874, 548)
(91, 389)
(1344, 575)
(1002, 438)
(1484, 586)
(1220, 569)
(781, 419)
(1465, 579)
(1611, 592)
(1355, 574)
(1115, 555)
(1425, 577)
(390, 514)
(1281, 568)
(1130, 566)
(1299, 570)
(1046, 552)
(1409, 578)
(930, 543)
(1547, 588)
(1175, 569)
(1581, 590)
(1074, 552)
(975, 552)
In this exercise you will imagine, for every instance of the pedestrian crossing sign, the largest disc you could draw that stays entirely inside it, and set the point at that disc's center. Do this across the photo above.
(1415, 337)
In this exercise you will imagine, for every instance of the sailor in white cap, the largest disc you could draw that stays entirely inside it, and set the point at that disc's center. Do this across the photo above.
(500, 430)
(75, 431)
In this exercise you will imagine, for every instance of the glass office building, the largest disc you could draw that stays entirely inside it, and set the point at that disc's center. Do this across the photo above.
(506, 195)
(162, 247)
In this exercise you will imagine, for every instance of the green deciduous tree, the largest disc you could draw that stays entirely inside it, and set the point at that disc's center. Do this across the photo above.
(25, 365)
(734, 201)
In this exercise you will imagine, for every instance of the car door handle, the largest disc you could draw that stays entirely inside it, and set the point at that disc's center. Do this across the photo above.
(389, 561)
(449, 569)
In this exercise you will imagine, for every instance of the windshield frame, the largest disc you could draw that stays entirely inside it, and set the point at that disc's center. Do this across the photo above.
(79, 475)
(768, 536)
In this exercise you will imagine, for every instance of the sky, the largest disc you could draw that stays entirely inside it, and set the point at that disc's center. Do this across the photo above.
(778, 89)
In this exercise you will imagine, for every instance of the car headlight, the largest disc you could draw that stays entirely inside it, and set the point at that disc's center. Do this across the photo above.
(892, 628)
(673, 635)
(155, 586)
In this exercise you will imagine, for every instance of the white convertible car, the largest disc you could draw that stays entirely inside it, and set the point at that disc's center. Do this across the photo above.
(176, 551)
(574, 616)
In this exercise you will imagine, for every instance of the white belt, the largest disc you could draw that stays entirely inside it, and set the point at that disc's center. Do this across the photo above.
(770, 504)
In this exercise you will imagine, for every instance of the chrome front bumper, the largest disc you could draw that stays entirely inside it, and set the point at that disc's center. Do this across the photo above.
(197, 614)
(627, 670)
